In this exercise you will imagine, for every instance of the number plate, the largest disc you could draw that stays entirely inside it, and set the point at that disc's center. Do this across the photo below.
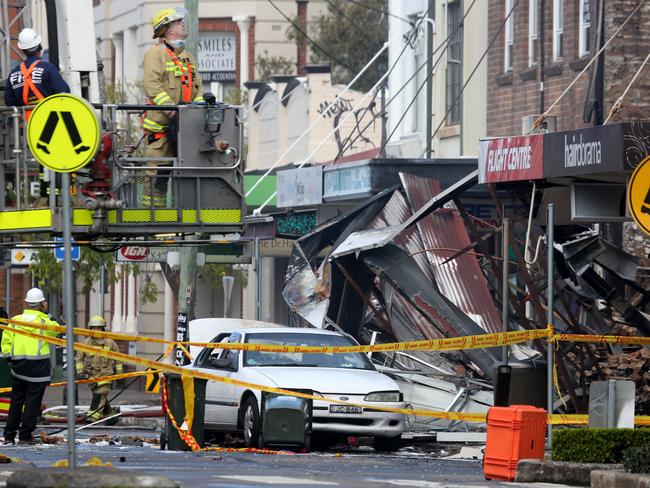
(345, 409)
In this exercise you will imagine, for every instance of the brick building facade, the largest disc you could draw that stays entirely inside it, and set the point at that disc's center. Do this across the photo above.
(514, 75)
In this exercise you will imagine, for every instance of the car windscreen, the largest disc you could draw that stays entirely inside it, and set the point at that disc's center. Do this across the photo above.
(298, 359)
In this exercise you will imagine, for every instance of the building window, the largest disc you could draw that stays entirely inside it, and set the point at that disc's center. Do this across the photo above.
(558, 29)
(585, 27)
(454, 62)
(510, 38)
(532, 32)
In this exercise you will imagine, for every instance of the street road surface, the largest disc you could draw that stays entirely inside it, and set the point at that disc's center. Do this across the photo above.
(361, 469)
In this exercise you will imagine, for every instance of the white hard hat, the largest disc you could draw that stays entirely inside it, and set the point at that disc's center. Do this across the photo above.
(28, 39)
(35, 295)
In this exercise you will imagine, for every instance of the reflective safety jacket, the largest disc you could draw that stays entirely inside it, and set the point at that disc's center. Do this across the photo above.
(29, 357)
(95, 365)
(170, 78)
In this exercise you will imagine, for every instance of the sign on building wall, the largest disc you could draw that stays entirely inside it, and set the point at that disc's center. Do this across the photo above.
(300, 187)
(217, 56)
(511, 158)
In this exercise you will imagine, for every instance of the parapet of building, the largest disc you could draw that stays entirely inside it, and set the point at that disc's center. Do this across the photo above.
(283, 108)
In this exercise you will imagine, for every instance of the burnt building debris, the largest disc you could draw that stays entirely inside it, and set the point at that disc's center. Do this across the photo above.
(416, 262)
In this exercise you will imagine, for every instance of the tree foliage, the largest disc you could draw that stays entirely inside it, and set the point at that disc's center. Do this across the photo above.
(351, 33)
(212, 274)
(48, 273)
(267, 65)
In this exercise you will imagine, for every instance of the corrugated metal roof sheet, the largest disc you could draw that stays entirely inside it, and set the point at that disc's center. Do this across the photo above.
(396, 212)
(461, 280)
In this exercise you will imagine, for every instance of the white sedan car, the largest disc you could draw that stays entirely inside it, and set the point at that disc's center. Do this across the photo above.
(348, 377)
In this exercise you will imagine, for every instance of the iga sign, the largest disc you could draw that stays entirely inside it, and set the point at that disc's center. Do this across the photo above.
(217, 56)
(511, 159)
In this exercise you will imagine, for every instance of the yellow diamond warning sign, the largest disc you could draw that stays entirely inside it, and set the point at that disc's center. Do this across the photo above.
(63, 132)
(638, 195)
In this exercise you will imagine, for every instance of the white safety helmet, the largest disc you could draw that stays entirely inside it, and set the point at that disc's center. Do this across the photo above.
(35, 295)
(28, 39)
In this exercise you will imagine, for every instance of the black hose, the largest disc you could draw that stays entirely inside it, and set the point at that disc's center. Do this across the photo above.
(89, 414)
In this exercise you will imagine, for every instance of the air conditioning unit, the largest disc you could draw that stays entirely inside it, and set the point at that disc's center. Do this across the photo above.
(548, 125)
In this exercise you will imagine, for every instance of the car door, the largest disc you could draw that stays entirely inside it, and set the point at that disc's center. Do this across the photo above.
(220, 404)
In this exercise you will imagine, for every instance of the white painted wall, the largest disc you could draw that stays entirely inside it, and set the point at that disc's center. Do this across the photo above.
(409, 139)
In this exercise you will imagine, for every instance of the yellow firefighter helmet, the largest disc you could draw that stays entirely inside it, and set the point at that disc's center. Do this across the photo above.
(165, 17)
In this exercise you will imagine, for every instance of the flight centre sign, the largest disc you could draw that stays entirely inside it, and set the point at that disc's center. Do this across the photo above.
(217, 56)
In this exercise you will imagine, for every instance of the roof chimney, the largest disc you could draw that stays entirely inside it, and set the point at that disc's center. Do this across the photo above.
(301, 44)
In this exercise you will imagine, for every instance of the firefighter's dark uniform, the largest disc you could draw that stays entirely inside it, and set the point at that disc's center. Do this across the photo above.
(43, 80)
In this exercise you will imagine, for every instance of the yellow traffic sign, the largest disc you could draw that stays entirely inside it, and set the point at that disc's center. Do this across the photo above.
(638, 195)
(63, 132)
(152, 381)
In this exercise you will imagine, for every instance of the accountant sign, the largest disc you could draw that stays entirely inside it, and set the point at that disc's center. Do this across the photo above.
(217, 56)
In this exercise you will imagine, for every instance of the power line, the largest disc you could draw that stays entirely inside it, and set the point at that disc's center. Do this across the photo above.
(352, 22)
(314, 43)
(445, 43)
(478, 63)
(406, 45)
(382, 11)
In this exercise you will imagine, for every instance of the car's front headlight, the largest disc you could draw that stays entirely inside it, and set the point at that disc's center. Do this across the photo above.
(384, 396)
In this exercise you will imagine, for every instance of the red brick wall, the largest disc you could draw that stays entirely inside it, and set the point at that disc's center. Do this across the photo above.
(19, 285)
(624, 58)
(301, 54)
(227, 25)
(251, 50)
(515, 95)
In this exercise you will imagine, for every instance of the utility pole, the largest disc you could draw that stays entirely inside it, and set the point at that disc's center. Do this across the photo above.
(187, 285)
(192, 24)
(430, 25)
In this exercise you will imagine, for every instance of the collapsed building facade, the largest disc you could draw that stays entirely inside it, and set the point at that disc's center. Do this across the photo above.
(419, 261)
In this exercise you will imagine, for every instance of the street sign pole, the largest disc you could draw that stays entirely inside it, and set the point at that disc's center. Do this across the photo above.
(550, 239)
(64, 154)
(69, 315)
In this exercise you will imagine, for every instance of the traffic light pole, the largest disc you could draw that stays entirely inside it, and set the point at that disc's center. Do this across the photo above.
(68, 303)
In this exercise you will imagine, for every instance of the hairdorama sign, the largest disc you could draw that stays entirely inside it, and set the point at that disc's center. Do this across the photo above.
(601, 149)
(217, 56)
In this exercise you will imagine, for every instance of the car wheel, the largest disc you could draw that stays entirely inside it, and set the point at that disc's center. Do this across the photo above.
(251, 423)
(387, 444)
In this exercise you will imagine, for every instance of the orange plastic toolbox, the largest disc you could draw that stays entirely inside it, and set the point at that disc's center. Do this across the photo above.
(513, 433)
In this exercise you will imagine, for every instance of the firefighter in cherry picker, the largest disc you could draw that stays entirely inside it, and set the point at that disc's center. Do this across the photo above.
(170, 78)
(95, 366)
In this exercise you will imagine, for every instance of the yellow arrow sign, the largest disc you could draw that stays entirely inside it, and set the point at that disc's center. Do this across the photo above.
(63, 132)
(638, 195)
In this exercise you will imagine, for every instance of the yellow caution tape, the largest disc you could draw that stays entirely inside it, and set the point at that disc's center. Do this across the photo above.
(450, 344)
(468, 417)
(600, 339)
(112, 377)
(583, 419)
